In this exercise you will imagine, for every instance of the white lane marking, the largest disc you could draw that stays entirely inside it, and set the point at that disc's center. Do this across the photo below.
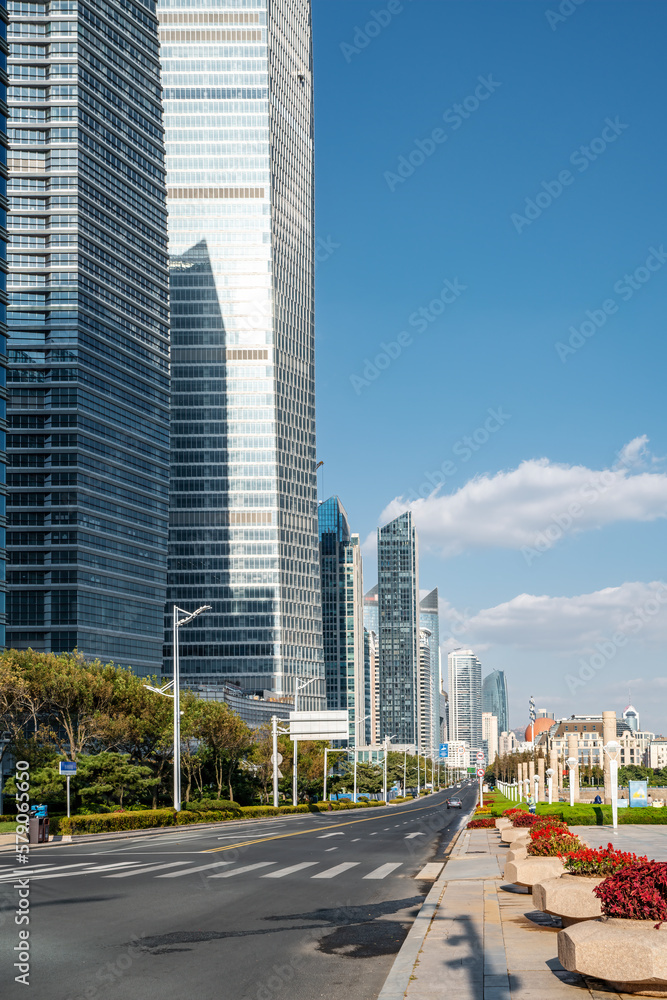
(384, 870)
(246, 868)
(33, 872)
(323, 836)
(338, 870)
(330, 849)
(191, 871)
(431, 871)
(288, 871)
(373, 834)
(151, 868)
(87, 870)
(386, 828)
(355, 840)
(409, 836)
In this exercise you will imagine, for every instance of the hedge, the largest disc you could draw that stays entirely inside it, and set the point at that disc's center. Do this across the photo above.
(592, 815)
(149, 818)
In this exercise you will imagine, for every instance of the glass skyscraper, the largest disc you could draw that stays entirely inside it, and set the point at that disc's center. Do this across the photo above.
(88, 326)
(495, 700)
(3, 313)
(399, 652)
(429, 620)
(345, 658)
(465, 698)
(243, 504)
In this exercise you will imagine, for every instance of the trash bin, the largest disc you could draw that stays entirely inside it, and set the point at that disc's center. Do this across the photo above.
(38, 825)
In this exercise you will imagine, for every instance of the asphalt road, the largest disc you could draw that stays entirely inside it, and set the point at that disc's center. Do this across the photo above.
(293, 908)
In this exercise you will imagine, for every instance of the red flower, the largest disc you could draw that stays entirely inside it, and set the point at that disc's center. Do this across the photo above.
(637, 892)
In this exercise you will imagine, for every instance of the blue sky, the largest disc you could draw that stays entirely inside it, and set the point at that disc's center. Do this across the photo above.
(561, 120)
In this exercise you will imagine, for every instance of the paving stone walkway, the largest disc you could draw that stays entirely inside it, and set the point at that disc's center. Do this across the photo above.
(485, 940)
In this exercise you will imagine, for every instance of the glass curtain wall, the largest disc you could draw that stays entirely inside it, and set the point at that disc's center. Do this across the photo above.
(88, 324)
(243, 507)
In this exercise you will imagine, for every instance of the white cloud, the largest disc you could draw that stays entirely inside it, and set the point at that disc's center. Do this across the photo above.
(535, 505)
(565, 625)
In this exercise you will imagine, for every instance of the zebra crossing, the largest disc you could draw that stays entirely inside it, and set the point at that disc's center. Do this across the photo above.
(179, 869)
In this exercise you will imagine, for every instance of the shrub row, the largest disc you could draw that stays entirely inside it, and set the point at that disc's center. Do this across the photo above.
(485, 823)
(113, 822)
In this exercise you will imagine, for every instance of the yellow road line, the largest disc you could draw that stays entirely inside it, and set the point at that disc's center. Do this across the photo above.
(316, 829)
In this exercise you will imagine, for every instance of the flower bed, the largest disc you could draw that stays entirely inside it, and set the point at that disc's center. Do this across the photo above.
(600, 861)
(483, 823)
(552, 842)
(638, 892)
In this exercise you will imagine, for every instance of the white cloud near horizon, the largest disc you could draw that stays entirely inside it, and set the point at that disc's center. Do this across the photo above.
(562, 625)
(534, 506)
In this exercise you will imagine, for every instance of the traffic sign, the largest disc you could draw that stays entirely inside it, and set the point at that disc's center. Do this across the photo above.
(444, 750)
(67, 767)
(480, 755)
(480, 772)
(276, 759)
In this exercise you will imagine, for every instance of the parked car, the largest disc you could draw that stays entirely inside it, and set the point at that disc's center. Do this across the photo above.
(454, 804)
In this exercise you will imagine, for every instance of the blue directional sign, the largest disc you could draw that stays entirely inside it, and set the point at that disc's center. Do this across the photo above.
(67, 767)
(444, 750)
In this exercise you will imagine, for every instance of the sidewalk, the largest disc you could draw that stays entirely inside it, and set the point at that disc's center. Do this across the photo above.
(478, 938)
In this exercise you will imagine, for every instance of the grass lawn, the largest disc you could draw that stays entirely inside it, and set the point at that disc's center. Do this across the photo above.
(8, 827)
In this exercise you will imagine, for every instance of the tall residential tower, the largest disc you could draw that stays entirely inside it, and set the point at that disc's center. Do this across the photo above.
(88, 322)
(465, 698)
(238, 104)
(429, 620)
(495, 700)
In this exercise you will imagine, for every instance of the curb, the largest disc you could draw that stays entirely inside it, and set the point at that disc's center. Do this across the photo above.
(398, 979)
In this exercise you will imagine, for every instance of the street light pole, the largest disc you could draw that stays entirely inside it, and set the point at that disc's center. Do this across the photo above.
(357, 723)
(550, 783)
(612, 750)
(176, 694)
(387, 741)
(572, 762)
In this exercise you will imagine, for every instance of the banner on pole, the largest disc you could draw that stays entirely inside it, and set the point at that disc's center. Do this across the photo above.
(638, 793)
(333, 725)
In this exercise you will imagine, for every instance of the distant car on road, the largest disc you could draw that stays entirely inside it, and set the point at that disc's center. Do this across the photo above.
(454, 804)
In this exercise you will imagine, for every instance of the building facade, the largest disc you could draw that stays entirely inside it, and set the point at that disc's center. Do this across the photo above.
(495, 700)
(371, 613)
(243, 506)
(88, 408)
(429, 620)
(342, 618)
(371, 655)
(631, 716)
(425, 693)
(465, 697)
(3, 317)
(490, 736)
(398, 603)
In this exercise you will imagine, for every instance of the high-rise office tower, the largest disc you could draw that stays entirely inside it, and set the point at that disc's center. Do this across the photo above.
(342, 617)
(425, 734)
(465, 697)
(495, 700)
(3, 317)
(631, 716)
(398, 603)
(88, 323)
(429, 619)
(371, 618)
(243, 505)
(371, 652)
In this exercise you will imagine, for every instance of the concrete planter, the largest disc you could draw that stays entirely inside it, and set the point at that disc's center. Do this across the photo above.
(502, 823)
(517, 852)
(569, 897)
(528, 871)
(631, 955)
(512, 833)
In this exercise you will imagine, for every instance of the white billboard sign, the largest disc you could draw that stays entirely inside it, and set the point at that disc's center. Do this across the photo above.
(334, 725)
